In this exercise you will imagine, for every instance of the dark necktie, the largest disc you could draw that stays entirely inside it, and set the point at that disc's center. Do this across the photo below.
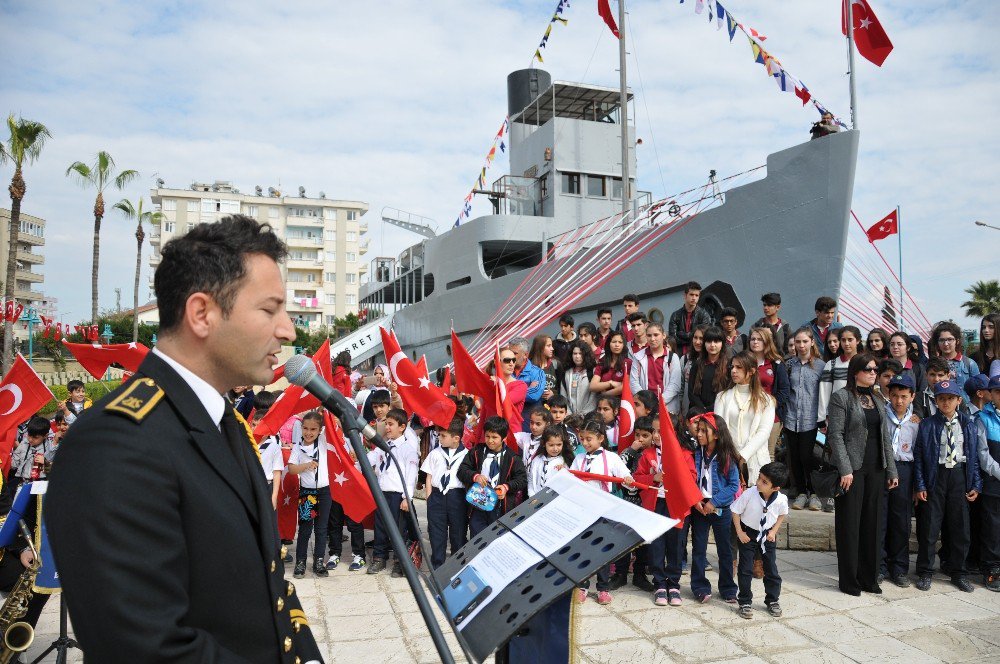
(761, 532)
(494, 468)
(951, 451)
(387, 459)
(449, 460)
(236, 438)
(590, 460)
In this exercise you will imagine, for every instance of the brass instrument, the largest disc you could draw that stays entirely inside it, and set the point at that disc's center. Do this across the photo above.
(16, 634)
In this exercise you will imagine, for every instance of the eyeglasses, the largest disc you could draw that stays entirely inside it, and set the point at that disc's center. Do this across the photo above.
(871, 369)
(946, 340)
(508, 360)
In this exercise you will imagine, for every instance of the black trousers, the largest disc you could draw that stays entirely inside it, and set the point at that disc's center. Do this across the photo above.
(801, 462)
(447, 523)
(946, 501)
(663, 554)
(856, 523)
(336, 532)
(382, 545)
(480, 520)
(772, 580)
(989, 553)
(894, 534)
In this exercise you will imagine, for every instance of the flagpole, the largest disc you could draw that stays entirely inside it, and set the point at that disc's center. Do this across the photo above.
(850, 62)
(899, 237)
(626, 193)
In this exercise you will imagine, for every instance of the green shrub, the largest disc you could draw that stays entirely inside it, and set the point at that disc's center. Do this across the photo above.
(95, 391)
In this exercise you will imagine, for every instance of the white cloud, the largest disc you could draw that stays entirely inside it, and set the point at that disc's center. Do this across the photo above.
(395, 103)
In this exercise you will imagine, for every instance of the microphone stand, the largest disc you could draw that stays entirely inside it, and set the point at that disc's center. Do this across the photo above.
(353, 433)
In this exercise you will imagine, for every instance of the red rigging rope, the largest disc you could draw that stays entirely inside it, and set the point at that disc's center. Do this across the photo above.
(867, 314)
(859, 275)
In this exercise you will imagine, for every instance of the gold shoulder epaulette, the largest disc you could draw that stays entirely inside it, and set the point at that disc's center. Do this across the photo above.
(138, 399)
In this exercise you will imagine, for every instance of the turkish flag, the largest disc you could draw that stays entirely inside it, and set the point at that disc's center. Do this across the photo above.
(418, 393)
(469, 378)
(678, 471)
(347, 484)
(22, 394)
(886, 226)
(288, 501)
(446, 381)
(604, 11)
(96, 358)
(295, 399)
(626, 418)
(422, 366)
(870, 38)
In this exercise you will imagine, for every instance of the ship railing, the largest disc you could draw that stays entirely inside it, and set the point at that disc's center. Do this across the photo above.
(515, 194)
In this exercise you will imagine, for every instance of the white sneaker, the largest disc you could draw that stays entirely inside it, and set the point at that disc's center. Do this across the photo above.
(333, 562)
(800, 501)
(815, 505)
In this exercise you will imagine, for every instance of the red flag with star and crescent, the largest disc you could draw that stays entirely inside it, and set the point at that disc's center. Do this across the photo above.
(419, 394)
(677, 466)
(295, 399)
(22, 394)
(886, 226)
(869, 36)
(347, 485)
(96, 358)
(288, 500)
(626, 418)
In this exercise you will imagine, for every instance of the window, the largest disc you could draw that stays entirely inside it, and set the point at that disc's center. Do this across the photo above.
(169, 205)
(543, 183)
(330, 276)
(331, 256)
(329, 213)
(352, 236)
(311, 277)
(352, 300)
(295, 277)
(252, 210)
(331, 236)
(31, 228)
(595, 186)
(352, 278)
(168, 227)
(208, 205)
(272, 213)
(331, 320)
(229, 206)
(571, 183)
(311, 212)
(331, 299)
(352, 215)
(190, 227)
(351, 257)
(192, 206)
(616, 187)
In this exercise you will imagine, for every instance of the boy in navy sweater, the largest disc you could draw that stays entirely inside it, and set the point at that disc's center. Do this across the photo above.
(495, 465)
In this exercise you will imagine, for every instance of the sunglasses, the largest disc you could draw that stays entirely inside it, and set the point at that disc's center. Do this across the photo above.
(871, 369)
(946, 340)
(508, 360)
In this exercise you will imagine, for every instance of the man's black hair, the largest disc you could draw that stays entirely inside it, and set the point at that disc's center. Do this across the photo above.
(772, 299)
(690, 286)
(497, 425)
(637, 316)
(211, 259)
(729, 311)
(631, 297)
(39, 426)
(825, 303)
(566, 319)
(601, 312)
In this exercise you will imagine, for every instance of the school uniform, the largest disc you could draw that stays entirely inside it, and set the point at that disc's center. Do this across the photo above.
(602, 462)
(529, 446)
(271, 459)
(504, 467)
(719, 485)
(314, 500)
(989, 461)
(339, 519)
(447, 511)
(946, 466)
(894, 530)
(540, 469)
(393, 487)
(758, 516)
(665, 553)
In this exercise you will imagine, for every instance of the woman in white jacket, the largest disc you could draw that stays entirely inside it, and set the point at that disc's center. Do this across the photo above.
(749, 412)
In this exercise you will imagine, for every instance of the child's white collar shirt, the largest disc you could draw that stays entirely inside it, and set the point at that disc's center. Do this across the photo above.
(601, 462)
(303, 453)
(443, 462)
(751, 508)
(388, 477)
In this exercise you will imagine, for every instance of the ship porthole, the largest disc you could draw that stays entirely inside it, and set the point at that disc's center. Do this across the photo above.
(655, 315)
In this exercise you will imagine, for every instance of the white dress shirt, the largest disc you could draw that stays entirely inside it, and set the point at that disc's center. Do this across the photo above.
(407, 458)
(214, 403)
(304, 453)
(441, 462)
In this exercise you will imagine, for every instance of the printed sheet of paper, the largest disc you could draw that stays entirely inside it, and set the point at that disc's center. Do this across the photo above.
(499, 565)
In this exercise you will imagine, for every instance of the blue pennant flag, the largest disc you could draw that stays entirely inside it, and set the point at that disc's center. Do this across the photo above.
(502, 147)
(457, 222)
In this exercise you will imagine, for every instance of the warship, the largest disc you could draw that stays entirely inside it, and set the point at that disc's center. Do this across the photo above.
(785, 232)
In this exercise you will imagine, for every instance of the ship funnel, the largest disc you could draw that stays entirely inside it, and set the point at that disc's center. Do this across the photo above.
(523, 86)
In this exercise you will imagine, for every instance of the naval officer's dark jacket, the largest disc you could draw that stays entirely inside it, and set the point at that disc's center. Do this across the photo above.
(165, 540)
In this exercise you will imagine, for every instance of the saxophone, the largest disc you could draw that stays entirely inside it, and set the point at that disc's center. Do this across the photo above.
(16, 634)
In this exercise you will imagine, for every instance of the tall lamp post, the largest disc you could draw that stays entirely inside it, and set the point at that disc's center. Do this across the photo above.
(30, 319)
(983, 223)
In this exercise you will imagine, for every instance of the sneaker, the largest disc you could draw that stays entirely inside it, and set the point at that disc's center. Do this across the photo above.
(287, 558)
(708, 567)
(300, 569)
(397, 571)
(674, 598)
(828, 505)
(814, 503)
(703, 598)
(603, 597)
(746, 611)
(758, 568)
(684, 569)
(901, 581)
(924, 583)
(799, 503)
(333, 562)
(377, 566)
(962, 584)
(992, 582)
(581, 595)
(643, 583)
(774, 609)
(730, 600)
(660, 598)
(356, 564)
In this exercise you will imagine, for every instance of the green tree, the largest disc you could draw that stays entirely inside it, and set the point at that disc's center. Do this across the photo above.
(100, 175)
(984, 299)
(136, 212)
(25, 143)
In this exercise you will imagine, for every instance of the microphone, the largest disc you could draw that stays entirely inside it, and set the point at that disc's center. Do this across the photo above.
(300, 370)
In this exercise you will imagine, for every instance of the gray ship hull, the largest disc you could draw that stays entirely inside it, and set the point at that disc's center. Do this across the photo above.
(786, 232)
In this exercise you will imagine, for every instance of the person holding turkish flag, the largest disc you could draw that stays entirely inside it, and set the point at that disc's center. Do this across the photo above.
(869, 36)
(884, 227)
(419, 394)
(670, 469)
(352, 498)
(22, 394)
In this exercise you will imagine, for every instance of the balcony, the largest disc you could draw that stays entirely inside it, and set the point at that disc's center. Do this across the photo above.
(294, 220)
(316, 241)
(30, 239)
(30, 257)
(305, 263)
(29, 276)
(23, 294)
(363, 227)
(363, 247)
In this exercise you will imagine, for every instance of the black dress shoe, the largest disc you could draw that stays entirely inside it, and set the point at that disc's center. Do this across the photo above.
(853, 592)
(924, 583)
(962, 584)
(902, 581)
(642, 583)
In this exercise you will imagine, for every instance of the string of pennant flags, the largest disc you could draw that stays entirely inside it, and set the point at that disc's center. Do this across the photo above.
(785, 81)
(501, 138)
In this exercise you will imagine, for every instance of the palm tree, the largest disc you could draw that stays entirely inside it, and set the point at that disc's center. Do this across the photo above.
(99, 175)
(985, 299)
(136, 212)
(24, 144)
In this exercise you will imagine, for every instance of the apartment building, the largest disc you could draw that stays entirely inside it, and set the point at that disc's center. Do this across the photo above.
(28, 276)
(324, 236)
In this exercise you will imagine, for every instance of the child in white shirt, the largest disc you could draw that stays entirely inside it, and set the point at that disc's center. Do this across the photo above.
(555, 452)
(447, 511)
(308, 461)
(758, 515)
(395, 489)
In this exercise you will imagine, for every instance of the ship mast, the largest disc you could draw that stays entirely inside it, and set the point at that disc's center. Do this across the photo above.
(626, 192)
(850, 63)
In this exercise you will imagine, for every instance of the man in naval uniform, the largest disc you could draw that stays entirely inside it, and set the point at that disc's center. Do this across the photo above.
(158, 512)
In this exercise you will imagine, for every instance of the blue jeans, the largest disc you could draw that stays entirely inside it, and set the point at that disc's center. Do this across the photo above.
(667, 546)
(480, 520)
(447, 522)
(721, 525)
(320, 524)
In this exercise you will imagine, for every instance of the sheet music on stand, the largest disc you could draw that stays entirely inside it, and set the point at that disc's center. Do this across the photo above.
(536, 553)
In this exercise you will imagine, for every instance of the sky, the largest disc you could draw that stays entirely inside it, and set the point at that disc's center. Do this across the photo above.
(396, 103)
